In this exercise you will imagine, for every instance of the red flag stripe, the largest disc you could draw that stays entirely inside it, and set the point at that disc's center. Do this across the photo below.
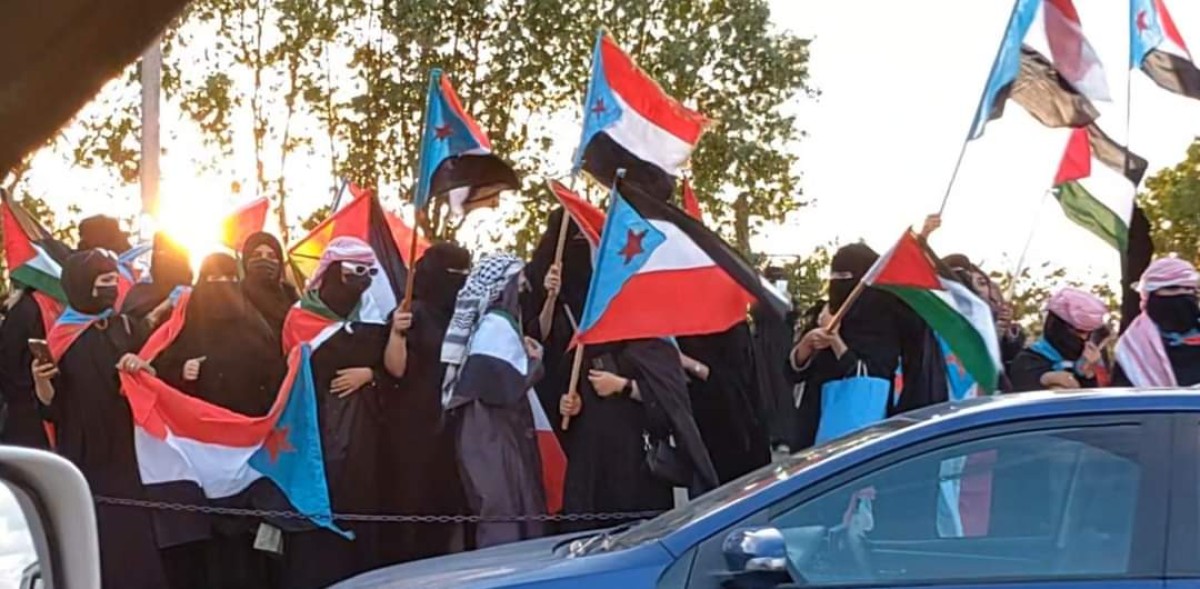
(1077, 159)
(456, 105)
(1169, 29)
(690, 204)
(906, 265)
(645, 96)
(17, 247)
(589, 218)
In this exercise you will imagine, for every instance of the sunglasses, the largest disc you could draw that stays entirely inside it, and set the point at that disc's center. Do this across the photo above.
(355, 269)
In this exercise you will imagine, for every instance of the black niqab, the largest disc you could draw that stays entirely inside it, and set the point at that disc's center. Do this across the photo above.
(440, 274)
(1174, 314)
(169, 268)
(342, 293)
(79, 279)
(264, 285)
(847, 269)
(1063, 337)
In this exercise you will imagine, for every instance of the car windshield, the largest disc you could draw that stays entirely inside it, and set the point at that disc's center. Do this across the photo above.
(735, 490)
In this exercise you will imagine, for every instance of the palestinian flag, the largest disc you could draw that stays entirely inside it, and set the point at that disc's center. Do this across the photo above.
(365, 219)
(1057, 90)
(243, 222)
(1157, 47)
(1100, 198)
(34, 258)
(456, 155)
(630, 123)
(963, 320)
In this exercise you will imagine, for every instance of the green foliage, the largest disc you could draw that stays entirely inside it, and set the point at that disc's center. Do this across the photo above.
(808, 276)
(1172, 203)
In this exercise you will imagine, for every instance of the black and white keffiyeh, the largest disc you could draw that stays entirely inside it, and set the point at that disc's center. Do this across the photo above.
(484, 286)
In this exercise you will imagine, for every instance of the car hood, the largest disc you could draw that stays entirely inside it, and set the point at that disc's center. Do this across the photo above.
(466, 569)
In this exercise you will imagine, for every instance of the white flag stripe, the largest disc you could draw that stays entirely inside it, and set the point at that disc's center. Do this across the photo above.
(648, 141)
(221, 471)
(496, 338)
(678, 252)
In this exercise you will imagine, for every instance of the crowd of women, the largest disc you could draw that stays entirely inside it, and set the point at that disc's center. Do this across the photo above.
(651, 417)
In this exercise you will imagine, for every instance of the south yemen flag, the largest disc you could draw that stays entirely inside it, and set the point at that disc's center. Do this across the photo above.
(962, 319)
(1046, 65)
(630, 123)
(1157, 47)
(179, 438)
(243, 222)
(34, 258)
(660, 273)
(456, 156)
(1093, 190)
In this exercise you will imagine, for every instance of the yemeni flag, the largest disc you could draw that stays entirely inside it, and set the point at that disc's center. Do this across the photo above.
(1157, 47)
(630, 123)
(456, 155)
(243, 222)
(365, 219)
(1057, 90)
(34, 258)
(650, 252)
(589, 218)
(1100, 198)
(962, 319)
(497, 370)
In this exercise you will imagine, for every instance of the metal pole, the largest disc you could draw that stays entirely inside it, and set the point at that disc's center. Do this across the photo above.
(151, 148)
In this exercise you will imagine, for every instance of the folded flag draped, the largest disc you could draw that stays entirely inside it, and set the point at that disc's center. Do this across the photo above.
(1046, 65)
(661, 273)
(1157, 48)
(243, 222)
(630, 123)
(33, 256)
(365, 219)
(962, 319)
(456, 155)
(1100, 198)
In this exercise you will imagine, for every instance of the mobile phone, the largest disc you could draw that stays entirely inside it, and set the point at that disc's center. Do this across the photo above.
(41, 351)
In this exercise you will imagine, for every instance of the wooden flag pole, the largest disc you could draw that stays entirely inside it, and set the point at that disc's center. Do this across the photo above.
(406, 306)
(573, 386)
(836, 321)
(563, 225)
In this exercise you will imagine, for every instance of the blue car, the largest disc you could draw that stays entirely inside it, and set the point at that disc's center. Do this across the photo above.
(1037, 490)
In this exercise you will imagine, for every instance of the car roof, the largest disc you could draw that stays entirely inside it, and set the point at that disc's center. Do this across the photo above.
(1050, 403)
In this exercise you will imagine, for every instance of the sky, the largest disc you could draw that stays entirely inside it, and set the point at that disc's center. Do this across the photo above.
(899, 84)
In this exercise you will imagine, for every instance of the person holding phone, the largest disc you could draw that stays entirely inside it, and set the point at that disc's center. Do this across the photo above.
(81, 395)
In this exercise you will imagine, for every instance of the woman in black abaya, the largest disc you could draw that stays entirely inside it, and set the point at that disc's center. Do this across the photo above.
(226, 355)
(23, 321)
(633, 399)
(351, 382)
(82, 397)
(419, 474)
(264, 286)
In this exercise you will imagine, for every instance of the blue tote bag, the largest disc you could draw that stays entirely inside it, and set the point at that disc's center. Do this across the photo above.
(852, 403)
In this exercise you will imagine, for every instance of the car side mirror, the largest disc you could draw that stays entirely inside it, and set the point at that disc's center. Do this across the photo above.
(754, 550)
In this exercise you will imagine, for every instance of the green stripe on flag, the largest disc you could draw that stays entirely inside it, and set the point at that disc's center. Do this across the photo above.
(1091, 214)
(36, 279)
(963, 337)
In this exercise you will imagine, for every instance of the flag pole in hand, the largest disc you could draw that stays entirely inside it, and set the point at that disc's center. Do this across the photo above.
(546, 319)
(573, 386)
(409, 282)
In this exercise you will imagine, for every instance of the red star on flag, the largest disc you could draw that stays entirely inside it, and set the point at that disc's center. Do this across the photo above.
(633, 245)
(1141, 21)
(599, 107)
(277, 443)
(443, 131)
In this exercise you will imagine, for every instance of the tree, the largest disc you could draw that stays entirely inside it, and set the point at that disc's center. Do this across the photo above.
(1030, 290)
(1172, 204)
(808, 276)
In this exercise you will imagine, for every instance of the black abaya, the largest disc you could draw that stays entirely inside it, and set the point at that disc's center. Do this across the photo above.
(95, 432)
(606, 443)
(419, 473)
(23, 423)
(350, 442)
(726, 405)
(1028, 368)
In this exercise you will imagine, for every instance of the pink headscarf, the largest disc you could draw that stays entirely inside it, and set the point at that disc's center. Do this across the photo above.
(342, 249)
(1166, 273)
(1140, 350)
(1083, 310)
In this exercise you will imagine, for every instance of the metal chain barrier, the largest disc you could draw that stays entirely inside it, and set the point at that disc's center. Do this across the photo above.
(371, 517)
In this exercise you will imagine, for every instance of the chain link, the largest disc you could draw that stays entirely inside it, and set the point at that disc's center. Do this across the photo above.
(371, 517)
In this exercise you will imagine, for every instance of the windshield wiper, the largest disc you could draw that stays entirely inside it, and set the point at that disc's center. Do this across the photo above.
(601, 542)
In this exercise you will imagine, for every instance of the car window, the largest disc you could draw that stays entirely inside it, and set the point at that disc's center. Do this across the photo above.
(16, 542)
(1037, 505)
